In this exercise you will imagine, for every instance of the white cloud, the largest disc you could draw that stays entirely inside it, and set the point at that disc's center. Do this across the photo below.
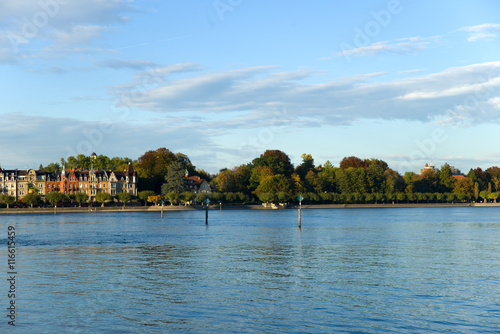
(487, 31)
(260, 90)
(33, 28)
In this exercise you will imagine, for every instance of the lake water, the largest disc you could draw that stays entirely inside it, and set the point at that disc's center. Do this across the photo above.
(413, 270)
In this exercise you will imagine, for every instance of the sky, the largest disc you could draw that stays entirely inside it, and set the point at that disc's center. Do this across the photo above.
(408, 82)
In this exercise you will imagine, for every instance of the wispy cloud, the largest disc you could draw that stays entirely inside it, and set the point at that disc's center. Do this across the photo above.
(401, 46)
(417, 70)
(258, 90)
(62, 27)
(487, 31)
(130, 64)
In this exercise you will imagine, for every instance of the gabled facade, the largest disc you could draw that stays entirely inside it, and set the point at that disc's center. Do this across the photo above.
(69, 181)
(198, 185)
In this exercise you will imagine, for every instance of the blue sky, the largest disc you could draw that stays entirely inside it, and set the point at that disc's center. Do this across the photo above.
(405, 81)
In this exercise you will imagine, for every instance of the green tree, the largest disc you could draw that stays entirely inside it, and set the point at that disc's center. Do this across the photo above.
(313, 183)
(143, 195)
(327, 176)
(186, 197)
(306, 166)
(446, 180)
(81, 197)
(428, 181)
(464, 187)
(267, 197)
(185, 163)
(231, 197)
(400, 196)
(216, 197)
(55, 197)
(276, 160)
(201, 197)
(52, 167)
(242, 197)
(484, 195)
(494, 173)
(31, 198)
(175, 179)
(103, 198)
(225, 181)
(494, 196)
(283, 197)
(7, 199)
(274, 184)
(124, 197)
(393, 182)
(480, 177)
(450, 197)
(152, 168)
(172, 197)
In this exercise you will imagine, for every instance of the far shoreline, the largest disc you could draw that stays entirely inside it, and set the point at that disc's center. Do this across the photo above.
(98, 209)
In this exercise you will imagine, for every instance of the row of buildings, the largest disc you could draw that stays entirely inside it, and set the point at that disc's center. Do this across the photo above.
(18, 183)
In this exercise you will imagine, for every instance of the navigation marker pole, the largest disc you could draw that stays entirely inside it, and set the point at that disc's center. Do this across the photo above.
(300, 198)
(206, 211)
(162, 208)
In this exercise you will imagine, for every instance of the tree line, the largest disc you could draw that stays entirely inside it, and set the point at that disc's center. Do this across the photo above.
(272, 178)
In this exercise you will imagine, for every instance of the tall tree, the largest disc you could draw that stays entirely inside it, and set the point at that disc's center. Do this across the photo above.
(446, 180)
(152, 168)
(225, 181)
(352, 162)
(277, 160)
(393, 182)
(306, 165)
(175, 179)
(258, 174)
(479, 176)
(494, 173)
(327, 175)
(185, 163)
(274, 184)
(464, 187)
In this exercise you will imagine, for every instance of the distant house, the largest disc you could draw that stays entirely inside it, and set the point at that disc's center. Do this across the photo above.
(198, 185)
(458, 177)
(428, 167)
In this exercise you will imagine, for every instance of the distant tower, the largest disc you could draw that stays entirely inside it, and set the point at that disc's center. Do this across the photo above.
(93, 156)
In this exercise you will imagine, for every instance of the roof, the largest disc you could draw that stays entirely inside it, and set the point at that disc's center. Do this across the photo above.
(458, 177)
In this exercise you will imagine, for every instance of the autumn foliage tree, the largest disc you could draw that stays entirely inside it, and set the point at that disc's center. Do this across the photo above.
(152, 168)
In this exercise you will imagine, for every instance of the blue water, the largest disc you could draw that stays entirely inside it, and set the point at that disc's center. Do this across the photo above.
(405, 270)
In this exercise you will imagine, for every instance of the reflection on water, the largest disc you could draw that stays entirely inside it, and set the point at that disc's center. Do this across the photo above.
(359, 270)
